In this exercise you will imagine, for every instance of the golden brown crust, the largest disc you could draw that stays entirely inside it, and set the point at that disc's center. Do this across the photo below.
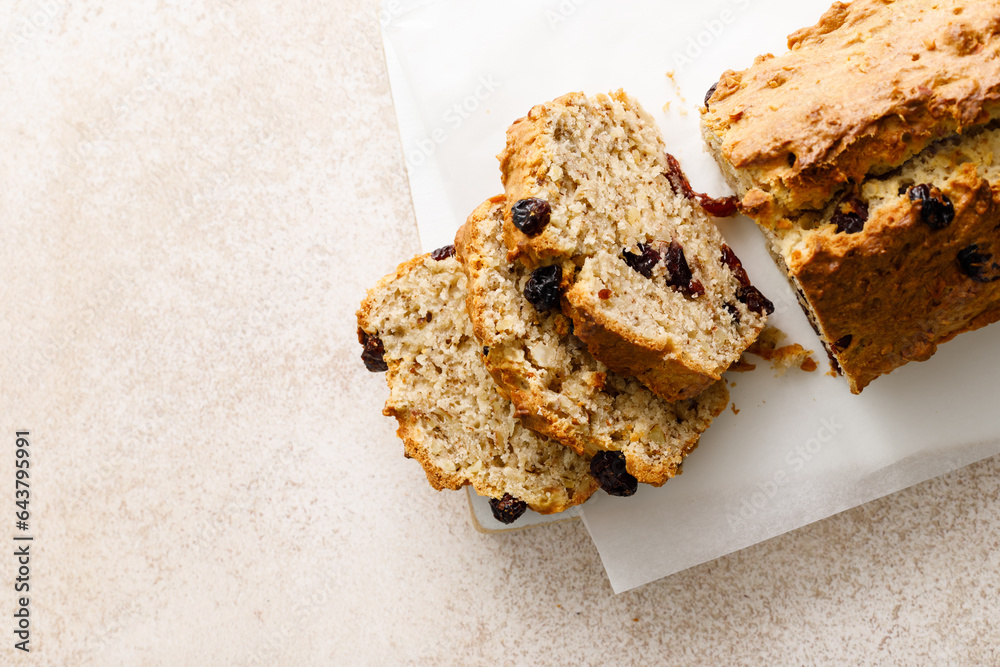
(898, 289)
(521, 164)
(870, 85)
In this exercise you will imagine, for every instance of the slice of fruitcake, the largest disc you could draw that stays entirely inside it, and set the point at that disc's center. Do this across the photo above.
(559, 389)
(642, 269)
(413, 325)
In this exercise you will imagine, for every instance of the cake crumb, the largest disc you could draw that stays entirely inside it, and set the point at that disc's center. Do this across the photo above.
(788, 356)
(677, 88)
(735, 410)
(784, 357)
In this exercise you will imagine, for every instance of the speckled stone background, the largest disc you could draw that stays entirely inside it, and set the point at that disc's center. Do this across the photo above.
(195, 196)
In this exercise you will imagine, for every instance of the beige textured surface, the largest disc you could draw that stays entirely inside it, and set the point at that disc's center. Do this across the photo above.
(195, 196)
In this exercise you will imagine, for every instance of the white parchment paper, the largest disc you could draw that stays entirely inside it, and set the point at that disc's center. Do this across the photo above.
(801, 447)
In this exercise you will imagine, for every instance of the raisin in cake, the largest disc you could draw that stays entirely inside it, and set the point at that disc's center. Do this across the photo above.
(559, 389)
(644, 273)
(413, 326)
(882, 208)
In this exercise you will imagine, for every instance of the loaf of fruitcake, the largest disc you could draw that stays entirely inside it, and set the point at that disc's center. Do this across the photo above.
(866, 154)
(413, 325)
(558, 387)
(597, 207)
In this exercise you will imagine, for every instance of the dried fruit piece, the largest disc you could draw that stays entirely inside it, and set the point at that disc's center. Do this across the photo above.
(974, 264)
(507, 509)
(733, 311)
(936, 210)
(842, 343)
(531, 215)
(719, 208)
(644, 261)
(374, 352)
(850, 214)
(679, 273)
(443, 253)
(604, 294)
(754, 300)
(543, 288)
(609, 470)
(711, 91)
(730, 259)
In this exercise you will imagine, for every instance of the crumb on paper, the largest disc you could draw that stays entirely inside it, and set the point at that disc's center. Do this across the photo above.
(767, 341)
(736, 410)
(784, 357)
(666, 107)
(788, 356)
(676, 86)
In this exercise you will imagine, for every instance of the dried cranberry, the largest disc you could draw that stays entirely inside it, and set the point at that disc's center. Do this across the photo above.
(374, 352)
(733, 311)
(695, 288)
(678, 181)
(642, 262)
(754, 300)
(677, 267)
(507, 509)
(936, 210)
(531, 215)
(609, 470)
(842, 343)
(850, 215)
(730, 259)
(443, 253)
(719, 208)
(542, 290)
(974, 263)
(711, 91)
